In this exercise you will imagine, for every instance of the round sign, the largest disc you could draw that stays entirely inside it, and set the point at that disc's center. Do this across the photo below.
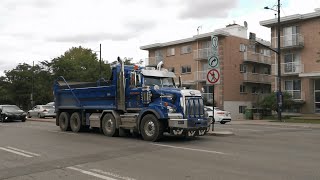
(214, 41)
(213, 61)
(213, 76)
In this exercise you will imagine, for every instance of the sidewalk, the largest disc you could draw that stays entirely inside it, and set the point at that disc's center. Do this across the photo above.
(268, 123)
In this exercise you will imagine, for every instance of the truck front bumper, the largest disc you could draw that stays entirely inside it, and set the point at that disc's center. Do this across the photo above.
(189, 127)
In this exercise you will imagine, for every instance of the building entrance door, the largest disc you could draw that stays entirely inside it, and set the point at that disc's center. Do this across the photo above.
(317, 95)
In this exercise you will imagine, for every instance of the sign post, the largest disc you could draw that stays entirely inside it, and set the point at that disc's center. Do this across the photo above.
(213, 73)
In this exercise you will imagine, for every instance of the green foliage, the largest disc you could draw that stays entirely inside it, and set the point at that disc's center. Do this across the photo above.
(270, 101)
(79, 64)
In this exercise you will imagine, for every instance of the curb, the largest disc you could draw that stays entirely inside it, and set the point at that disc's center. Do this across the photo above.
(220, 133)
(283, 125)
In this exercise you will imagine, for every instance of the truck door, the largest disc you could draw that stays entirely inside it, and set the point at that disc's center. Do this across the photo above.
(134, 92)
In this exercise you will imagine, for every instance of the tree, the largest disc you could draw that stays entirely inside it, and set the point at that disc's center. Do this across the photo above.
(79, 64)
(270, 101)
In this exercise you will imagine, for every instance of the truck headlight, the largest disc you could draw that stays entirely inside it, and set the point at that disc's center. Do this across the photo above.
(171, 109)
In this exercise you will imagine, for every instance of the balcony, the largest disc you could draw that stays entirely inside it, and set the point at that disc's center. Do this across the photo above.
(291, 41)
(200, 76)
(257, 78)
(288, 69)
(296, 95)
(251, 56)
(202, 54)
(153, 61)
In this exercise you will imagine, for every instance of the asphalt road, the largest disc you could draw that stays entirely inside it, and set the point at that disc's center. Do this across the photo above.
(39, 150)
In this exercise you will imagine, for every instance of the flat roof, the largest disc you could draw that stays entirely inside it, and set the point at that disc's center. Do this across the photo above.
(291, 18)
(186, 40)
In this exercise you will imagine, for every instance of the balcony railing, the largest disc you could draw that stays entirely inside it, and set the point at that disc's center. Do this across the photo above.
(153, 61)
(256, 57)
(202, 54)
(257, 78)
(289, 41)
(200, 76)
(296, 95)
(288, 68)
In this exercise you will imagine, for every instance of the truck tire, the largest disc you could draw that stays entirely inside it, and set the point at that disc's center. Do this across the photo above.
(64, 118)
(75, 122)
(108, 126)
(151, 128)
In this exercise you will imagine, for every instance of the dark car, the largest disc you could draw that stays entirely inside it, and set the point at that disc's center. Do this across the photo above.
(11, 112)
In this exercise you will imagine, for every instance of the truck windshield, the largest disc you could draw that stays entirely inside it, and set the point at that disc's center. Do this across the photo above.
(160, 81)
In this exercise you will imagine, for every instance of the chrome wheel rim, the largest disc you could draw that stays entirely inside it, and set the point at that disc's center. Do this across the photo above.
(149, 128)
(109, 125)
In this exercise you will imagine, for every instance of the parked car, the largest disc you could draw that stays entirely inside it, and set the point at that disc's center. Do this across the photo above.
(11, 112)
(50, 103)
(219, 115)
(42, 111)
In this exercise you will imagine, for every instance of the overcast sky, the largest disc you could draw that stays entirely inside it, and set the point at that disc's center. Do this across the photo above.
(36, 30)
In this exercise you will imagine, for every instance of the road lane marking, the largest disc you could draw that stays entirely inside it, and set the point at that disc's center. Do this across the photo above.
(23, 151)
(15, 152)
(91, 173)
(191, 149)
(112, 174)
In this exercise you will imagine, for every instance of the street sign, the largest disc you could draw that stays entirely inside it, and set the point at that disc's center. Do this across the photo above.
(213, 61)
(213, 76)
(214, 41)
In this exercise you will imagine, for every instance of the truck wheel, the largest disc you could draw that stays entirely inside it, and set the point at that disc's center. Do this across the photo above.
(108, 126)
(64, 121)
(75, 122)
(151, 128)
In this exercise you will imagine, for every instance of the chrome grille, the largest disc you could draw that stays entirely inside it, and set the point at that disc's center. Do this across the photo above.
(194, 107)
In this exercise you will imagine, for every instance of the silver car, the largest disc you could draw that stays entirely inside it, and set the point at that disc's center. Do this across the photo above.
(42, 111)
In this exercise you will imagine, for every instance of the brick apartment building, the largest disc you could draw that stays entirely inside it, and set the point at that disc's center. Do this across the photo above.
(245, 66)
(300, 59)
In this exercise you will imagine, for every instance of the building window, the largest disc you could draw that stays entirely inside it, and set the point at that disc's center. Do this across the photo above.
(186, 49)
(290, 37)
(242, 109)
(292, 63)
(293, 87)
(254, 69)
(185, 69)
(170, 52)
(205, 44)
(242, 88)
(243, 68)
(254, 90)
(243, 48)
(171, 69)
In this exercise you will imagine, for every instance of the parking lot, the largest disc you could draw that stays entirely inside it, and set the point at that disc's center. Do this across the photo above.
(39, 150)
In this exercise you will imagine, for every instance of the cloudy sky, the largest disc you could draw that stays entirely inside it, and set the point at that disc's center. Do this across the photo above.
(36, 30)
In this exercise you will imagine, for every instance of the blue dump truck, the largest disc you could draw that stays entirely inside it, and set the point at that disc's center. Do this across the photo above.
(138, 100)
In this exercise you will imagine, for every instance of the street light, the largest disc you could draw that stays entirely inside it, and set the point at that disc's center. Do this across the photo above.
(279, 93)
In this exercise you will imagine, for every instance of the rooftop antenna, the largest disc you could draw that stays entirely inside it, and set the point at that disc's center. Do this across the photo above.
(199, 27)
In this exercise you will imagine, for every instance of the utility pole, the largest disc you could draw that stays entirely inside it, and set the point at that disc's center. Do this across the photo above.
(100, 64)
(278, 51)
(32, 89)
(279, 67)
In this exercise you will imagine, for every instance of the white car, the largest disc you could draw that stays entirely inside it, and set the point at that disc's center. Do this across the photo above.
(219, 115)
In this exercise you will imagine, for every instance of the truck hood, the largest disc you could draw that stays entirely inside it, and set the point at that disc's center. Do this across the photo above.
(17, 112)
(184, 92)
